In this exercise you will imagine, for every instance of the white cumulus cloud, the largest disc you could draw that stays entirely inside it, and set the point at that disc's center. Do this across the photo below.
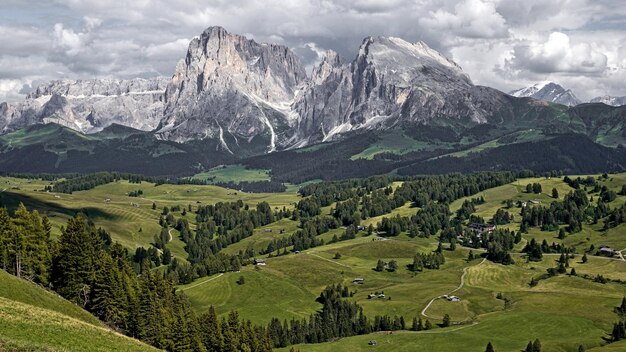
(559, 54)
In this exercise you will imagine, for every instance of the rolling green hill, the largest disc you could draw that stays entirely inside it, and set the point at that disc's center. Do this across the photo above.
(33, 319)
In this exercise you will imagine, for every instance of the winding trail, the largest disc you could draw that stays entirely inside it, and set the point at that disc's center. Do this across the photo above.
(203, 282)
(169, 232)
(326, 259)
(451, 292)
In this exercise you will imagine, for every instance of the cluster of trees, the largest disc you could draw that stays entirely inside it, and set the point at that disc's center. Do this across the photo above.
(468, 207)
(574, 210)
(25, 245)
(68, 183)
(98, 277)
(391, 266)
(338, 318)
(306, 237)
(533, 346)
(615, 217)
(333, 191)
(533, 188)
(497, 243)
(502, 217)
(222, 224)
(588, 181)
(255, 186)
(534, 251)
(137, 193)
(427, 260)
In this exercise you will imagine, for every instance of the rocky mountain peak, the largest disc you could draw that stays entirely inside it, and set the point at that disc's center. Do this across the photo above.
(330, 61)
(233, 89)
(548, 91)
(90, 105)
(610, 100)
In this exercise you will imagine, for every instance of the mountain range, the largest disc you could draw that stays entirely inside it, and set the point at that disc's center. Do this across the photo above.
(555, 93)
(548, 91)
(239, 99)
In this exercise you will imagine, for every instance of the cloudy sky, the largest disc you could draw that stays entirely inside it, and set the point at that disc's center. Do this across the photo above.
(505, 44)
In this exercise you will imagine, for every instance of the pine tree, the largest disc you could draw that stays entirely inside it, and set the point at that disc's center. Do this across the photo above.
(73, 268)
(5, 242)
(414, 324)
(446, 321)
(537, 346)
(470, 256)
(489, 347)
(166, 256)
(107, 293)
(210, 331)
(529, 347)
(584, 260)
(393, 265)
(380, 265)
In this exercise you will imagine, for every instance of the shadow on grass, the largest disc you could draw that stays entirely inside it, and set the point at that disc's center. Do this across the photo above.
(11, 200)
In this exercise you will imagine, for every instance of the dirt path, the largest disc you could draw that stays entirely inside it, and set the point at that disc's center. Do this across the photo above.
(169, 232)
(326, 259)
(451, 292)
(203, 282)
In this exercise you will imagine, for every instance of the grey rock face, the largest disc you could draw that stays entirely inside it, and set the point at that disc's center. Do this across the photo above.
(246, 94)
(230, 86)
(609, 100)
(89, 105)
(548, 91)
(389, 81)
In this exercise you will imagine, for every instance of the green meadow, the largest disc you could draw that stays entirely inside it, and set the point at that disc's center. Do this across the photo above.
(496, 304)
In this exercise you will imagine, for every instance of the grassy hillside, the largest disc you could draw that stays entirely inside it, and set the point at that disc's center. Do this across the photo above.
(232, 173)
(111, 208)
(32, 319)
(563, 312)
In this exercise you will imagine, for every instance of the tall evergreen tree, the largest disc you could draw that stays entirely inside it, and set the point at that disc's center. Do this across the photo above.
(74, 268)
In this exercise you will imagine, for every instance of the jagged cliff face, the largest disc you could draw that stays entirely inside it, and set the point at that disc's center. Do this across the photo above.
(232, 89)
(89, 105)
(255, 98)
(389, 81)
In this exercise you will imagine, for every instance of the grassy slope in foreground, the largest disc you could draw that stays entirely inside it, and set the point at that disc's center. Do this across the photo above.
(32, 319)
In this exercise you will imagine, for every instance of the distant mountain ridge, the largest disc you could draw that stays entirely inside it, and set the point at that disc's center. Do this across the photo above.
(610, 100)
(548, 91)
(555, 93)
(88, 106)
(231, 98)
